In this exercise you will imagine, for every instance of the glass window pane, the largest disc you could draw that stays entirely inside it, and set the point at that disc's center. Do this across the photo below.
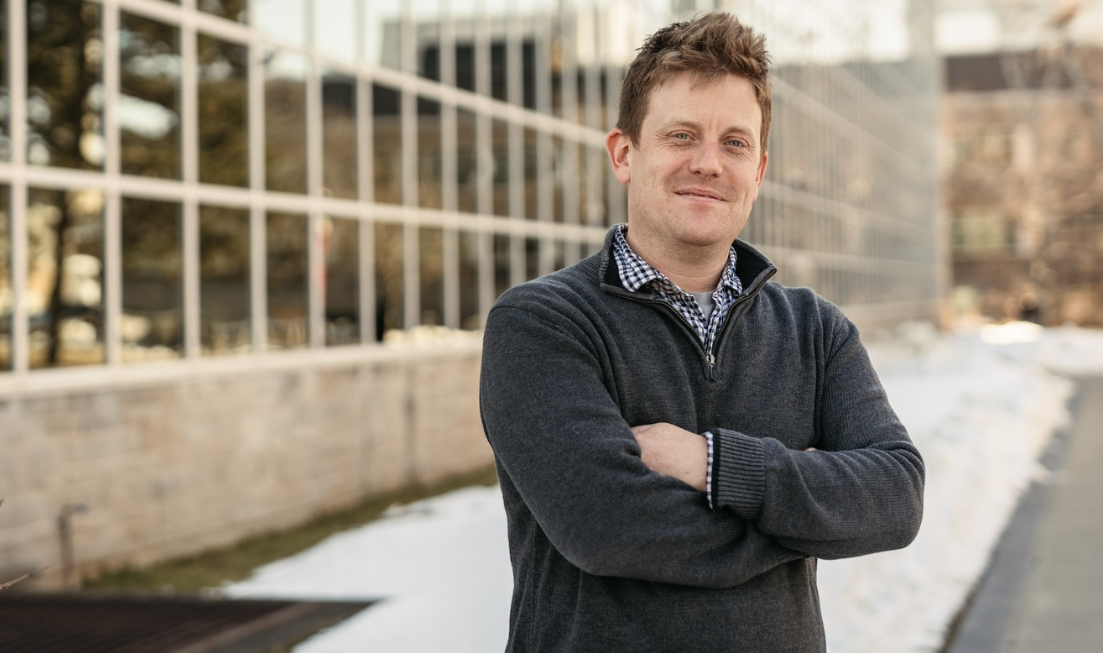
(532, 258)
(5, 93)
(558, 255)
(65, 277)
(64, 86)
(387, 141)
(465, 59)
(531, 162)
(569, 179)
(149, 97)
(287, 281)
(339, 134)
(388, 278)
(6, 302)
(342, 246)
(467, 157)
(500, 139)
(528, 72)
(596, 168)
(223, 112)
(431, 244)
(501, 264)
(232, 9)
(582, 184)
(559, 177)
(225, 319)
(285, 122)
(428, 154)
(591, 248)
(470, 316)
(498, 63)
(567, 84)
(152, 321)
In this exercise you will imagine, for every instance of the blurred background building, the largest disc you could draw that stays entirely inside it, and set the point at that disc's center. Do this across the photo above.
(246, 246)
(1023, 122)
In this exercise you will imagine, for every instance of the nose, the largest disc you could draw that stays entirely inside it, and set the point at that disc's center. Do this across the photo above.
(706, 160)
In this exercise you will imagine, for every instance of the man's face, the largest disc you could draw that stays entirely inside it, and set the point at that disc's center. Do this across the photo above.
(697, 167)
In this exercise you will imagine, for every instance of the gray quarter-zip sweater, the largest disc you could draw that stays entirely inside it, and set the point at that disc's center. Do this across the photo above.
(610, 556)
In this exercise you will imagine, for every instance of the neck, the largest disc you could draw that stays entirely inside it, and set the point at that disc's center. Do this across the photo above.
(693, 269)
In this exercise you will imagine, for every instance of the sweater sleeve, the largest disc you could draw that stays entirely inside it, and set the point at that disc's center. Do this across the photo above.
(559, 437)
(860, 492)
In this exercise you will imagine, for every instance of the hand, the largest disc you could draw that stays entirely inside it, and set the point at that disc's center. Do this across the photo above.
(673, 451)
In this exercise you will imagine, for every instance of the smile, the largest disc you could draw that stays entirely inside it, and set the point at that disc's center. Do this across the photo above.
(699, 193)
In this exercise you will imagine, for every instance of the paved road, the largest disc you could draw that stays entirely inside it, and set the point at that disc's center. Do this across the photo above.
(1043, 591)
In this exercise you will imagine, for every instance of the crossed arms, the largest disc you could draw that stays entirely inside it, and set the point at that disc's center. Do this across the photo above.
(673, 451)
(624, 499)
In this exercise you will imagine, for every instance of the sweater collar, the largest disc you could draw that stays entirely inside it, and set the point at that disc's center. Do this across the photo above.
(752, 267)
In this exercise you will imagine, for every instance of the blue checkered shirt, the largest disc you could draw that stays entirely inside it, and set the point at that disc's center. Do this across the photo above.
(637, 274)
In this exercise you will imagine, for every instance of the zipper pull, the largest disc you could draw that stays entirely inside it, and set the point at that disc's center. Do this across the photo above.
(712, 366)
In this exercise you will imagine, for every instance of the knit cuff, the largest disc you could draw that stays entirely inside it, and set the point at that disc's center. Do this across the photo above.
(738, 473)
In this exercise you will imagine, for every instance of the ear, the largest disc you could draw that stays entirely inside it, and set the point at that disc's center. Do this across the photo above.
(762, 169)
(619, 145)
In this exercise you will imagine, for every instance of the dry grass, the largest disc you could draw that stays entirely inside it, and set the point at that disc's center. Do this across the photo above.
(213, 568)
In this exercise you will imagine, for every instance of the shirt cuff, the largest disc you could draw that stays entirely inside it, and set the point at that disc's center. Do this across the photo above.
(708, 469)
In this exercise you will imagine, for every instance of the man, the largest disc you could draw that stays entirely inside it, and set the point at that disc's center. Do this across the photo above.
(678, 439)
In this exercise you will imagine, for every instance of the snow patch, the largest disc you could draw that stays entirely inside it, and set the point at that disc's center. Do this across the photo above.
(980, 406)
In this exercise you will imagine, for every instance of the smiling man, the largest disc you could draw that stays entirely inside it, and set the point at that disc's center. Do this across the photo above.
(679, 439)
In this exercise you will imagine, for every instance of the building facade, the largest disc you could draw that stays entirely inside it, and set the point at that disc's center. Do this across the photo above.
(1024, 184)
(246, 246)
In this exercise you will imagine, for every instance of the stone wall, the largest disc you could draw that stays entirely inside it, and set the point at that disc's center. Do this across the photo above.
(177, 459)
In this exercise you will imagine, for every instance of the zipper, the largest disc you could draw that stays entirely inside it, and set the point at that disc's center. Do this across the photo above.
(713, 374)
(710, 354)
(710, 357)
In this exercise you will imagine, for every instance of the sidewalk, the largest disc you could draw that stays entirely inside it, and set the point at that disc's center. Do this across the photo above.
(1043, 590)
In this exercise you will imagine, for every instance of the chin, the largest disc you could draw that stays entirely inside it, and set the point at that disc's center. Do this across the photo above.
(705, 242)
(709, 237)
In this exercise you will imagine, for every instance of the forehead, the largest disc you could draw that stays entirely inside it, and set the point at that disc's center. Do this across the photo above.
(727, 101)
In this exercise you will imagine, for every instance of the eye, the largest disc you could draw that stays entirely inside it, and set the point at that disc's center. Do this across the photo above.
(735, 142)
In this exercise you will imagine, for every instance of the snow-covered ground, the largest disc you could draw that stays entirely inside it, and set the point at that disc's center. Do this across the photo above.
(980, 404)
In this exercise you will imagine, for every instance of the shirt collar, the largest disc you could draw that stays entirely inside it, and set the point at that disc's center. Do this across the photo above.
(635, 273)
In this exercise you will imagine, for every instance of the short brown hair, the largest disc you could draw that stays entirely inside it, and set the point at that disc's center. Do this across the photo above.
(708, 47)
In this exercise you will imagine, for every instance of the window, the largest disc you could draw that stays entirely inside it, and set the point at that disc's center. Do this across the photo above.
(223, 112)
(64, 84)
(149, 97)
(342, 252)
(152, 276)
(285, 159)
(288, 280)
(224, 291)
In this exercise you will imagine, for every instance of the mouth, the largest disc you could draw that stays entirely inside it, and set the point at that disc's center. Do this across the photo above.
(700, 193)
